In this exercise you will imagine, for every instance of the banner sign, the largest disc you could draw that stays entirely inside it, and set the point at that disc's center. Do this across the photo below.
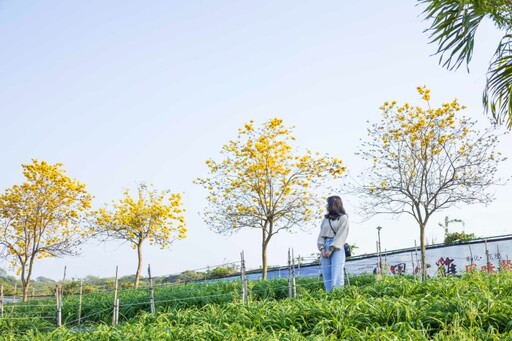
(489, 255)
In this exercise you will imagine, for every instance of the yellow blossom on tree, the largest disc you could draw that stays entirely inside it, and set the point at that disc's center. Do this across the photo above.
(424, 160)
(262, 183)
(153, 216)
(42, 217)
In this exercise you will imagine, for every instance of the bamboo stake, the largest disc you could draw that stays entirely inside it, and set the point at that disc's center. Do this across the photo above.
(470, 255)
(116, 301)
(63, 279)
(499, 257)
(151, 292)
(59, 306)
(289, 274)
(117, 312)
(378, 261)
(298, 265)
(487, 258)
(80, 302)
(1, 300)
(244, 279)
(412, 263)
(417, 260)
(14, 297)
(294, 287)
(346, 279)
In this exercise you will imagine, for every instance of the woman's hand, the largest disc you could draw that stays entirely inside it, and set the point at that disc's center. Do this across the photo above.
(326, 254)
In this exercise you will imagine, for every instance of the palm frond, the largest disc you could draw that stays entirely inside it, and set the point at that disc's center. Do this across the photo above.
(497, 96)
(453, 29)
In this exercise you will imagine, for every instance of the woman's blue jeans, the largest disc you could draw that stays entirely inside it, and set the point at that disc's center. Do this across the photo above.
(333, 268)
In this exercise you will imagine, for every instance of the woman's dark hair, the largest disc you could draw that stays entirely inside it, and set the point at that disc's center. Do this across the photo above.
(335, 207)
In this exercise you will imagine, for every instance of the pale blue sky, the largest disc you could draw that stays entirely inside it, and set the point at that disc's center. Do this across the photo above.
(130, 91)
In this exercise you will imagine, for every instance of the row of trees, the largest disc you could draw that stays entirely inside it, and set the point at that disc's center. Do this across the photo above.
(50, 215)
(423, 160)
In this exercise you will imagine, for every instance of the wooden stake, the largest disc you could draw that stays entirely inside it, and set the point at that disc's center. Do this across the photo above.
(80, 302)
(417, 260)
(245, 294)
(63, 279)
(151, 292)
(116, 301)
(470, 255)
(294, 287)
(487, 258)
(346, 279)
(378, 261)
(14, 297)
(289, 274)
(59, 306)
(412, 263)
(499, 257)
(117, 312)
(1, 300)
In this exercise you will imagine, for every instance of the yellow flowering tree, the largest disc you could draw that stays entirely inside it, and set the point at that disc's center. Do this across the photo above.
(425, 160)
(42, 217)
(153, 216)
(261, 183)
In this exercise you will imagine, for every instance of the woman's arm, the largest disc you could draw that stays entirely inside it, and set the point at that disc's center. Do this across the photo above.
(341, 234)
(320, 240)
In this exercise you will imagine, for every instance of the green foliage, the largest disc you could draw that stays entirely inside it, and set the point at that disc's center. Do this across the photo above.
(185, 276)
(453, 27)
(473, 306)
(221, 271)
(458, 236)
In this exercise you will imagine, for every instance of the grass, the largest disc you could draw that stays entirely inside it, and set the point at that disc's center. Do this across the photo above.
(474, 306)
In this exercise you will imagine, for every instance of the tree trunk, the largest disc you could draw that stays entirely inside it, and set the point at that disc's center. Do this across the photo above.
(139, 265)
(423, 252)
(264, 244)
(25, 281)
(26, 284)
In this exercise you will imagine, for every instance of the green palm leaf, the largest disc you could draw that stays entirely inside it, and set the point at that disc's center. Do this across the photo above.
(497, 96)
(453, 27)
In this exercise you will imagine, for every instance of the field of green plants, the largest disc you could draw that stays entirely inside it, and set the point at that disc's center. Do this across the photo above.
(472, 307)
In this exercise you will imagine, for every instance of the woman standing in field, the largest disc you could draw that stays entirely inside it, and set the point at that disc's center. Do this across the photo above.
(332, 236)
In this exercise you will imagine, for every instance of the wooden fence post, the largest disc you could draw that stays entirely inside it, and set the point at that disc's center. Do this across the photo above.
(62, 285)
(294, 287)
(488, 261)
(117, 312)
(470, 256)
(378, 261)
(418, 261)
(289, 274)
(80, 302)
(115, 317)
(345, 276)
(59, 306)
(412, 263)
(14, 297)
(499, 257)
(1, 300)
(245, 294)
(151, 292)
